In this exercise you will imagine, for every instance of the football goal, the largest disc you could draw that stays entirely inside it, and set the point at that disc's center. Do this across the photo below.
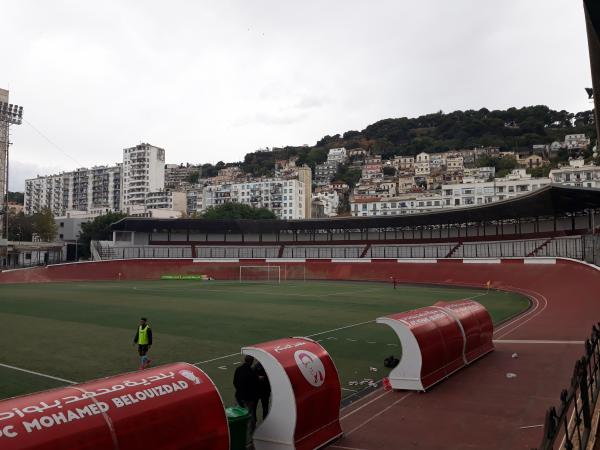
(265, 274)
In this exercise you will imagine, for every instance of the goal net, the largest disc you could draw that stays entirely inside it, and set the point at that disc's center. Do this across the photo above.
(265, 274)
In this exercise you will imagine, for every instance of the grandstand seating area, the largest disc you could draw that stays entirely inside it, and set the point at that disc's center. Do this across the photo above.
(563, 246)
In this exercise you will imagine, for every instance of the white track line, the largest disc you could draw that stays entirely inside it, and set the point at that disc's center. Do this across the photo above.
(533, 316)
(345, 448)
(536, 304)
(524, 341)
(39, 374)
(376, 415)
(366, 404)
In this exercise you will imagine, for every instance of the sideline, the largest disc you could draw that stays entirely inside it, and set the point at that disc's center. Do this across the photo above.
(38, 374)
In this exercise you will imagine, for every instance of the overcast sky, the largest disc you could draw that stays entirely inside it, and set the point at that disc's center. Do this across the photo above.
(214, 80)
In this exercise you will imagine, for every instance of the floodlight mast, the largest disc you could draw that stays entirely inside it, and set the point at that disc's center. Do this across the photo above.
(9, 115)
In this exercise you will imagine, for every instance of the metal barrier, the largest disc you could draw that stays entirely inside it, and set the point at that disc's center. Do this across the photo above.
(585, 248)
(570, 425)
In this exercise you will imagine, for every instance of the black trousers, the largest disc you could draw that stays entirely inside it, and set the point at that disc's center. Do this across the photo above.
(250, 405)
(264, 403)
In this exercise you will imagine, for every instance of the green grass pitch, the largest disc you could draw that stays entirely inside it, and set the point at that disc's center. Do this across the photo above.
(83, 330)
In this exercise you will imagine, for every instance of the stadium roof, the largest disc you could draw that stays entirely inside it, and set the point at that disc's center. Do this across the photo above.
(549, 201)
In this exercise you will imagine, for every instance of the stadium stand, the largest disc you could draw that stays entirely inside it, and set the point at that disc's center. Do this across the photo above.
(551, 222)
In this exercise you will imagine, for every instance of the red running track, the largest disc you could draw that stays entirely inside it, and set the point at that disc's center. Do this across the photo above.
(476, 408)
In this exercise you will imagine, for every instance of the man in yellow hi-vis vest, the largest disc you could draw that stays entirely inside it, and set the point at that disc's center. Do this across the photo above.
(143, 339)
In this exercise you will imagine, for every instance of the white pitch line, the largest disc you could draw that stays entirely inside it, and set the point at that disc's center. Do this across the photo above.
(216, 359)
(341, 328)
(39, 374)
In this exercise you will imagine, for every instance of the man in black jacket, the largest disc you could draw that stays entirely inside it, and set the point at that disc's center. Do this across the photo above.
(245, 382)
(143, 339)
(264, 388)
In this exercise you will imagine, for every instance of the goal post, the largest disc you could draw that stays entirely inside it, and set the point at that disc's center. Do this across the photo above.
(264, 274)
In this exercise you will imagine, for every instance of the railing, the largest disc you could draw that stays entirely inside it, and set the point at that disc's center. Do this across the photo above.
(576, 247)
(570, 425)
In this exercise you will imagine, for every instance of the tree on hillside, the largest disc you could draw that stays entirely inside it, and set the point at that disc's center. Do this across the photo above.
(389, 170)
(20, 227)
(348, 175)
(97, 230)
(44, 225)
(17, 197)
(232, 210)
(193, 177)
(503, 165)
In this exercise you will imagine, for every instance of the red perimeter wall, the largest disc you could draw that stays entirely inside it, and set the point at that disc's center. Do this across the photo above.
(566, 288)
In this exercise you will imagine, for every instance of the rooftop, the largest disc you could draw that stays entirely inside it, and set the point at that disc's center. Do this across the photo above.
(548, 201)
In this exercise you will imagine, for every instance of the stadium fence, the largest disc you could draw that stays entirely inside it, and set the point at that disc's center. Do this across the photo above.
(584, 248)
(570, 426)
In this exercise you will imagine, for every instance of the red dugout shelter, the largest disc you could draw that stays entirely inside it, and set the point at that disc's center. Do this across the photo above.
(437, 341)
(168, 407)
(305, 395)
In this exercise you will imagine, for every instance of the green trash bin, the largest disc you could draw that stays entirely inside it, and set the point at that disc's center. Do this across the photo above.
(238, 419)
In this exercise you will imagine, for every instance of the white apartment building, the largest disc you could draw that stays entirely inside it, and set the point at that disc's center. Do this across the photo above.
(577, 174)
(177, 174)
(576, 141)
(337, 154)
(403, 163)
(454, 162)
(173, 200)
(478, 192)
(326, 171)
(330, 201)
(422, 166)
(484, 173)
(94, 191)
(286, 198)
(396, 206)
(194, 200)
(143, 172)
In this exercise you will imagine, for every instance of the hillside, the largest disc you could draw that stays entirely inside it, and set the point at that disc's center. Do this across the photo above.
(511, 129)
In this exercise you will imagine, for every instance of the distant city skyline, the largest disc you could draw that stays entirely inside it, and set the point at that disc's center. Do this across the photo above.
(215, 81)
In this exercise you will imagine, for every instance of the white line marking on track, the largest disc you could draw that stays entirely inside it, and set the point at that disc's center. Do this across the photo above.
(531, 426)
(524, 341)
(345, 448)
(366, 404)
(534, 313)
(376, 415)
(39, 374)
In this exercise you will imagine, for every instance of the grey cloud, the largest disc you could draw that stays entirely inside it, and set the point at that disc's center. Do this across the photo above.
(214, 80)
